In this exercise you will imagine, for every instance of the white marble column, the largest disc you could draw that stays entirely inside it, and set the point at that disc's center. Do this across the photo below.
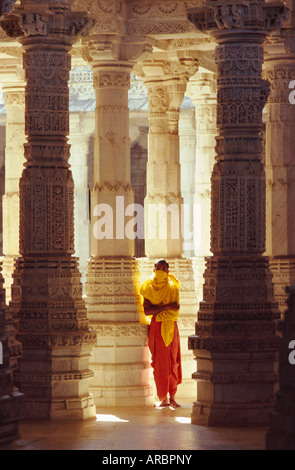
(80, 133)
(202, 91)
(187, 142)
(13, 86)
(120, 359)
(82, 126)
(279, 69)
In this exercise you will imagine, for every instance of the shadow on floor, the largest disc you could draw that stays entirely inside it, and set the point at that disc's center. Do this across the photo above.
(137, 429)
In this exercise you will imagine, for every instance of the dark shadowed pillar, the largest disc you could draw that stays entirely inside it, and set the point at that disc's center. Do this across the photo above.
(235, 344)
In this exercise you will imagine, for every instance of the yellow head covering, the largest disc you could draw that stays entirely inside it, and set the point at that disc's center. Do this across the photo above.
(160, 289)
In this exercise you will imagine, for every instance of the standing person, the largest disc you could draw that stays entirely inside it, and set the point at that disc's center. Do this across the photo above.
(161, 301)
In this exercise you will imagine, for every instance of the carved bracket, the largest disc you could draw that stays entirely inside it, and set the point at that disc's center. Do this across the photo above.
(250, 15)
(43, 20)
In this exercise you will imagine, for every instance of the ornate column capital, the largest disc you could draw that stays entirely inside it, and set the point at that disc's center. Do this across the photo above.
(166, 76)
(163, 66)
(282, 44)
(223, 17)
(12, 74)
(100, 50)
(202, 87)
(31, 20)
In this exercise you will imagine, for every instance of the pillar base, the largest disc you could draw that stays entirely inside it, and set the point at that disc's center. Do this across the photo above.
(61, 409)
(11, 412)
(53, 371)
(56, 382)
(122, 396)
(236, 344)
(230, 415)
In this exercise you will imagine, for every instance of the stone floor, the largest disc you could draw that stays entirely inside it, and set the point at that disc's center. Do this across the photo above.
(137, 429)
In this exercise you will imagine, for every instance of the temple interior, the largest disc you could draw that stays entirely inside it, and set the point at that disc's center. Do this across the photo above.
(133, 130)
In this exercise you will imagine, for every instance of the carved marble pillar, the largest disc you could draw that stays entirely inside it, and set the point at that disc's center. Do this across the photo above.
(187, 146)
(47, 292)
(13, 86)
(138, 181)
(235, 343)
(166, 79)
(79, 141)
(279, 69)
(11, 75)
(120, 358)
(202, 91)
(11, 400)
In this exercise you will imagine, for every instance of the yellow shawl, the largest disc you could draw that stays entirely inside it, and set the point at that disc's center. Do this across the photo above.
(160, 289)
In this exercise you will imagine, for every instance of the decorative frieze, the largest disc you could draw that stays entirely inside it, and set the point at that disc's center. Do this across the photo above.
(158, 17)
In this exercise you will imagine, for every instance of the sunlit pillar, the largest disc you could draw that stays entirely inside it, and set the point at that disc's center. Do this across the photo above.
(202, 91)
(120, 359)
(13, 86)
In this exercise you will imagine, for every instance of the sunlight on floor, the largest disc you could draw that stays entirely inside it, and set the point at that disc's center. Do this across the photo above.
(110, 419)
(183, 420)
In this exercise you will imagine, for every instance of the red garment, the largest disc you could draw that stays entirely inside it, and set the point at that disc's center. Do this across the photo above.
(166, 361)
